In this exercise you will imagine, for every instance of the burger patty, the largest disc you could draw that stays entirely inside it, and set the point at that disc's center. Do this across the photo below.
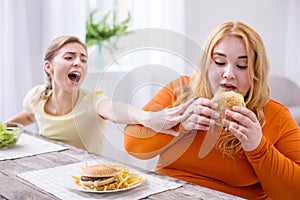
(87, 178)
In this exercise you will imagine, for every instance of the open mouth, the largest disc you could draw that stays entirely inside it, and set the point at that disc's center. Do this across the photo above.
(74, 76)
(228, 87)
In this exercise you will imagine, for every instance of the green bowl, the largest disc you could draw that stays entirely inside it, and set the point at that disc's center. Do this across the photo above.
(10, 133)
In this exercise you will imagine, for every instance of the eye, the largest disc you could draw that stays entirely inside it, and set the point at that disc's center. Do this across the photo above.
(242, 67)
(83, 60)
(68, 57)
(219, 63)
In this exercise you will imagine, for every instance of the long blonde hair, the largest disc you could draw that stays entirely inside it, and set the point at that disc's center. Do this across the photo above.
(50, 53)
(259, 92)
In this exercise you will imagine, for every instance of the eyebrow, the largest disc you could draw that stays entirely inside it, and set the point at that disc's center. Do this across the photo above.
(70, 52)
(221, 54)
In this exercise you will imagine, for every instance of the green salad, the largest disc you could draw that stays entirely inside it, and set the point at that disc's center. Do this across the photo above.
(8, 137)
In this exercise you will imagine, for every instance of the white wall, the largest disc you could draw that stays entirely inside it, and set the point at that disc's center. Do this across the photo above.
(267, 17)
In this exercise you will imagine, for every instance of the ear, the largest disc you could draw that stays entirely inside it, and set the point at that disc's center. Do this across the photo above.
(48, 68)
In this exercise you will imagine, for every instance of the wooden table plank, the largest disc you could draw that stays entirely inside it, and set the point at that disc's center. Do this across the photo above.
(16, 188)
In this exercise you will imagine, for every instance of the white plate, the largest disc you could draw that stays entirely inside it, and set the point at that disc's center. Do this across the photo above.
(79, 188)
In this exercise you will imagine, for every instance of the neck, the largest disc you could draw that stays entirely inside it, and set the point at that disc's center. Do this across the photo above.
(61, 103)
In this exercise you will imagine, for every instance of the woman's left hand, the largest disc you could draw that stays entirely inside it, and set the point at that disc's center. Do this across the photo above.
(245, 127)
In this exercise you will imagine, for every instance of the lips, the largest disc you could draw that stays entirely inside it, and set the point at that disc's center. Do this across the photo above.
(227, 86)
(74, 76)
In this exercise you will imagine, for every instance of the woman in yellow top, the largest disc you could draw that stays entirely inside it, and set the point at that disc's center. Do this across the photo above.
(68, 113)
(257, 155)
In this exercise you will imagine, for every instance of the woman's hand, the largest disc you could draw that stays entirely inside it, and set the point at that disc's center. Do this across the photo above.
(163, 121)
(245, 127)
(200, 115)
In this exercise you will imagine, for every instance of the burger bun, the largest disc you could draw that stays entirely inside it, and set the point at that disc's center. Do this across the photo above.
(99, 170)
(226, 100)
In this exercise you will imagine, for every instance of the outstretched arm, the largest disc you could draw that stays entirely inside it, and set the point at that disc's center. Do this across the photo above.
(161, 121)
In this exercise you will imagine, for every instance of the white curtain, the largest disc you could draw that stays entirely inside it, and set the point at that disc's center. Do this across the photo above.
(19, 66)
(292, 48)
(63, 17)
(27, 27)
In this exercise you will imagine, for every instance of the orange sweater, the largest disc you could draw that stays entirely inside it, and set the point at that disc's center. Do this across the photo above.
(271, 171)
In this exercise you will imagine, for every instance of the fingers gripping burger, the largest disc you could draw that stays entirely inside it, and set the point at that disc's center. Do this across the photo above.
(228, 143)
(97, 175)
(226, 100)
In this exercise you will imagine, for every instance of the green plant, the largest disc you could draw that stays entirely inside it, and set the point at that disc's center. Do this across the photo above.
(102, 30)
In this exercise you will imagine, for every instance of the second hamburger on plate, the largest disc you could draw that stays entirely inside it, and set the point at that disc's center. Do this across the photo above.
(107, 178)
(97, 175)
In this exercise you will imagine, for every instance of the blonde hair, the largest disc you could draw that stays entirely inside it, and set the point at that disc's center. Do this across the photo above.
(259, 92)
(50, 53)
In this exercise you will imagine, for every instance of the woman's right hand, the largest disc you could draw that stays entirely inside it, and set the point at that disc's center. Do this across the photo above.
(200, 115)
(163, 121)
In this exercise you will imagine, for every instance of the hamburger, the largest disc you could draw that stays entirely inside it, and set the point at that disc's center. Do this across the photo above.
(98, 175)
(226, 100)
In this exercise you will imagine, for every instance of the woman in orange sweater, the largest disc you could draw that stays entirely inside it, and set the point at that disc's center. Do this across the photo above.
(258, 153)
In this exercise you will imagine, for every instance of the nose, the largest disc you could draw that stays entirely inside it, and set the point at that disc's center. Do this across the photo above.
(229, 72)
(77, 62)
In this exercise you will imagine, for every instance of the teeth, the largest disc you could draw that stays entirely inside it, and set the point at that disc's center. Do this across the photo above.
(76, 73)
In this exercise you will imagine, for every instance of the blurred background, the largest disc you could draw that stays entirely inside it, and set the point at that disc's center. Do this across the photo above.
(166, 42)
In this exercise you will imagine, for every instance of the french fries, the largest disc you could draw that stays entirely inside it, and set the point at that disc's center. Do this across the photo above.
(124, 179)
(76, 179)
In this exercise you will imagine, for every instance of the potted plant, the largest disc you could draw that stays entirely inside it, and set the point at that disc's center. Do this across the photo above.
(99, 31)
(99, 34)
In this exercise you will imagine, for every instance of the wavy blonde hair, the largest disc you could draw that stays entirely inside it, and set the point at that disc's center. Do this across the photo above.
(259, 92)
(50, 53)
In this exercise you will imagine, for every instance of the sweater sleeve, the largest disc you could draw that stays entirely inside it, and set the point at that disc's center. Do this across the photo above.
(143, 142)
(277, 161)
